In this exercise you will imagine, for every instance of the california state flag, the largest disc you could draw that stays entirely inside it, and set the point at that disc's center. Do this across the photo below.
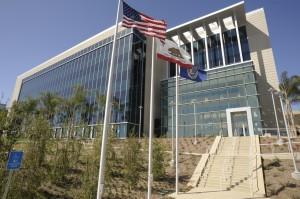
(170, 51)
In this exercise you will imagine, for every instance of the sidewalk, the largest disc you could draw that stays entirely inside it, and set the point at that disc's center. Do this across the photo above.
(194, 194)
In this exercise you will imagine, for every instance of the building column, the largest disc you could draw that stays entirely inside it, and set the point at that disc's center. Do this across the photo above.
(238, 38)
(192, 47)
(206, 49)
(167, 69)
(221, 41)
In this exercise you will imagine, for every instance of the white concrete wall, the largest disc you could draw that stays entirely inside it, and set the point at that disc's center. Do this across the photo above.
(160, 73)
(264, 64)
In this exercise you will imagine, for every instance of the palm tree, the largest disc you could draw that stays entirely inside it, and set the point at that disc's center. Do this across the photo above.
(73, 108)
(290, 88)
(49, 104)
(3, 120)
(30, 107)
(21, 113)
(101, 100)
(15, 117)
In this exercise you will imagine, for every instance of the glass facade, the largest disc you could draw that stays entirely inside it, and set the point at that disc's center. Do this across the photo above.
(200, 53)
(226, 87)
(231, 49)
(244, 43)
(89, 69)
(214, 51)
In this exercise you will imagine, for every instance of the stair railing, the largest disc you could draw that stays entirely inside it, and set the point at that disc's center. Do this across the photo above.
(223, 177)
(234, 149)
(220, 145)
(251, 167)
(207, 169)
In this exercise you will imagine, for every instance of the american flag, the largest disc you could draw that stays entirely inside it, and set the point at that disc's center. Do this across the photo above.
(145, 24)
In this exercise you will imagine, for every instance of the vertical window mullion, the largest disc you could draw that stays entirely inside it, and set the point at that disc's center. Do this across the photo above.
(121, 74)
(102, 64)
(130, 46)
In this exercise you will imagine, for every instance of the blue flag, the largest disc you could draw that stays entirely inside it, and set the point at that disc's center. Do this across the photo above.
(194, 74)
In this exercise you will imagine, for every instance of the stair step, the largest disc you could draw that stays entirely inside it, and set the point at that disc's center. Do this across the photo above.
(229, 168)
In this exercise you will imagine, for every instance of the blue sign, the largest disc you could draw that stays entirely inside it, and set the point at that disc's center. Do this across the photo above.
(14, 160)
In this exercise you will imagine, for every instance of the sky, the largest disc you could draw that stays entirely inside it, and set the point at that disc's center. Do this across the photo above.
(33, 31)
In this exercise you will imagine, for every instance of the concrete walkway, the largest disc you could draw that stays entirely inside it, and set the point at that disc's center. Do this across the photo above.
(194, 194)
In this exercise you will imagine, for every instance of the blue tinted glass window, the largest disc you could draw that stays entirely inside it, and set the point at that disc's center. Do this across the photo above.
(214, 51)
(231, 48)
(244, 43)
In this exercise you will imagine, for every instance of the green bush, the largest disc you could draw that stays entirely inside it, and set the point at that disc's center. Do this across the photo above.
(27, 182)
(159, 160)
(61, 163)
(132, 161)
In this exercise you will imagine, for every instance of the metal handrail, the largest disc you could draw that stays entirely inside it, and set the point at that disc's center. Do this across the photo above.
(233, 156)
(250, 168)
(205, 177)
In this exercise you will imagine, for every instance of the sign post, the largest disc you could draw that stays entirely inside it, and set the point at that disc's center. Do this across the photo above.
(14, 163)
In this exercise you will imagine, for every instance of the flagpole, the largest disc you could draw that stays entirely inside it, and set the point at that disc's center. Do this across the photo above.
(150, 176)
(107, 115)
(176, 124)
(176, 131)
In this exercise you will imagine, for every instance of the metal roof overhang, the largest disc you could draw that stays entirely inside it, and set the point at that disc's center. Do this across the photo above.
(237, 9)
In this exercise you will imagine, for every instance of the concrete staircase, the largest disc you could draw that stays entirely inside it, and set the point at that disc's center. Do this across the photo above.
(229, 168)
(232, 169)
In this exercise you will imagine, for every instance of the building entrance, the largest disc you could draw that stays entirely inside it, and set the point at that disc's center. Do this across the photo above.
(240, 123)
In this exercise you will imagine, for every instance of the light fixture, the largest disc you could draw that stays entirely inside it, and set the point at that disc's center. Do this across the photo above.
(214, 27)
(228, 23)
(188, 35)
(201, 32)
(176, 39)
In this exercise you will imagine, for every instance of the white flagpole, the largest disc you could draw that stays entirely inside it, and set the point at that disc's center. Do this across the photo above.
(150, 175)
(176, 124)
(176, 131)
(107, 115)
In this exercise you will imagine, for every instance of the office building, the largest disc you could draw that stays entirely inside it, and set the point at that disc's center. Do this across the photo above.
(232, 45)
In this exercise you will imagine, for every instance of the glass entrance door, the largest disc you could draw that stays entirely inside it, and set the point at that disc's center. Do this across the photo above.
(240, 123)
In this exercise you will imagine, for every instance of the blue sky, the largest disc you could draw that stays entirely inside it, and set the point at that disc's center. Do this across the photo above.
(33, 31)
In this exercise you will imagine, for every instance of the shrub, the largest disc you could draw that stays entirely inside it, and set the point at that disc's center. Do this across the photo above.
(90, 172)
(132, 160)
(27, 182)
(61, 163)
(273, 163)
(159, 163)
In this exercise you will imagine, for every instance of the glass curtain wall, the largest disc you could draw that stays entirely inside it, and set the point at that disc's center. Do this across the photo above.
(231, 47)
(244, 43)
(232, 87)
(89, 69)
(200, 53)
(214, 51)
(231, 50)
(136, 85)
